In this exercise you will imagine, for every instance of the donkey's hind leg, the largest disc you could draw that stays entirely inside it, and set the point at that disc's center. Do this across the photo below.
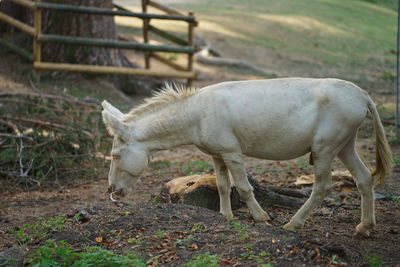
(322, 187)
(365, 183)
(224, 187)
(235, 163)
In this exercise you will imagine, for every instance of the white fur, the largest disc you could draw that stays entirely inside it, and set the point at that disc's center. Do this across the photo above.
(276, 119)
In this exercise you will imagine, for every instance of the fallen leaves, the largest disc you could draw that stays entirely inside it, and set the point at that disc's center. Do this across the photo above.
(194, 246)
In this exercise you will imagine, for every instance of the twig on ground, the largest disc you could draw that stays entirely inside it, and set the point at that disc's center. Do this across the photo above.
(335, 207)
(33, 85)
(15, 136)
(85, 101)
(12, 126)
(118, 203)
(45, 123)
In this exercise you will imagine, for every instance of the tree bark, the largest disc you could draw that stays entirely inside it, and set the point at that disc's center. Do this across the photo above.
(201, 191)
(82, 25)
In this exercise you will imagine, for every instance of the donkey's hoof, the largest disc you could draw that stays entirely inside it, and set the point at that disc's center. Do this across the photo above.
(268, 223)
(229, 216)
(262, 217)
(363, 234)
(290, 227)
(363, 231)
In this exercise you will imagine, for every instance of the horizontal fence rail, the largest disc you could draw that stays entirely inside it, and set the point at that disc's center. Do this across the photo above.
(110, 12)
(24, 53)
(17, 24)
(113, 70)
(50, 38)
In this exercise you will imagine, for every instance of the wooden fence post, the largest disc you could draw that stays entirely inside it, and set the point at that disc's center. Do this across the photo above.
(146, 23)
(36, 45)
(190, 43)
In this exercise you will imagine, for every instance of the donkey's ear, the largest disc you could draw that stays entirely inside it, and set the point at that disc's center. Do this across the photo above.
(113, 110)
(114, 125)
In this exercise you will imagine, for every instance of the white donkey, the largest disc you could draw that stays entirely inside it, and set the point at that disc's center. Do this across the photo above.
(277, 119)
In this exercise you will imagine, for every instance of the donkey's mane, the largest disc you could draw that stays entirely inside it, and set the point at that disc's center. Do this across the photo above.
(170, 93)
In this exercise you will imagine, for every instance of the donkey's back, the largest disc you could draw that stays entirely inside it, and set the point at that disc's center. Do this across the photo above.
(283, 118)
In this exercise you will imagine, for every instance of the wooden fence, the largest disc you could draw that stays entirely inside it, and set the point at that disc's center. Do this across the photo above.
(150, 51)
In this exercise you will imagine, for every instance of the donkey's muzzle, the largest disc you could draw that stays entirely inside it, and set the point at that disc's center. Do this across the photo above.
(112, 190)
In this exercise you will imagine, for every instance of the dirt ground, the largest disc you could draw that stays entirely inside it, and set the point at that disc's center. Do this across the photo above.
(174, 233)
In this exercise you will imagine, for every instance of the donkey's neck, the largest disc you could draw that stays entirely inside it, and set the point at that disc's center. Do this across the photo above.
(170, 126)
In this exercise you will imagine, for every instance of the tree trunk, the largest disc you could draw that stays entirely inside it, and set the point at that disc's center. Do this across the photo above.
(82, 25)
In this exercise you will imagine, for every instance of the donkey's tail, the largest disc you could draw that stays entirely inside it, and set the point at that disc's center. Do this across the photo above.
(383, 155)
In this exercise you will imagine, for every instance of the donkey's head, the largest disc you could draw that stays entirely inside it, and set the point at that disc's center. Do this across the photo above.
(129, 157)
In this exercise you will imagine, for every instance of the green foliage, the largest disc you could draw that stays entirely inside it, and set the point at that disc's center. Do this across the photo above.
(241, 228)
(333, 259)
(391, 196)
(61, 139)
(396, 160)
(374, 260)
(303, 163)
(45, 226)
(197, 227)
(203, 260)
(196, 167)
(7, 262)
(61, 254)
(156, 165)
(160, 233)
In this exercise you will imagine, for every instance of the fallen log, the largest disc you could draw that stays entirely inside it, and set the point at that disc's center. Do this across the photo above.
(201, 191)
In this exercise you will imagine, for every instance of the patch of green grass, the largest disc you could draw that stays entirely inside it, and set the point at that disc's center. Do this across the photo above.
(45, 226)
(203, 260)
(257, 169)
(303, 163)
(160, 233)
(374, 260)
(196, 167)
(391, 196)
(241, 229)
(6, 262)
(156, 165)
(396, 160)
(62, 254)
(197, 228)
(257, 257)
(391, 4)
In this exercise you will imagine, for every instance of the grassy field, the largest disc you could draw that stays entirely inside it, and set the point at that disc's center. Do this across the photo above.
(352, 39)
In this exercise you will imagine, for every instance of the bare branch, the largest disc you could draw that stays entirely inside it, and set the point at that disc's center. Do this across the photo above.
(12, 126)
(15, 136)
(86, 101)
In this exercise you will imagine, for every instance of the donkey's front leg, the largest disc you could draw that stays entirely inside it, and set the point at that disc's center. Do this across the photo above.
(235, 163)
(224, 187)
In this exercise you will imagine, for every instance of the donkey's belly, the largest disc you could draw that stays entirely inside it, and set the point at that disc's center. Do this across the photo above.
(275, 154)
(278, 149)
